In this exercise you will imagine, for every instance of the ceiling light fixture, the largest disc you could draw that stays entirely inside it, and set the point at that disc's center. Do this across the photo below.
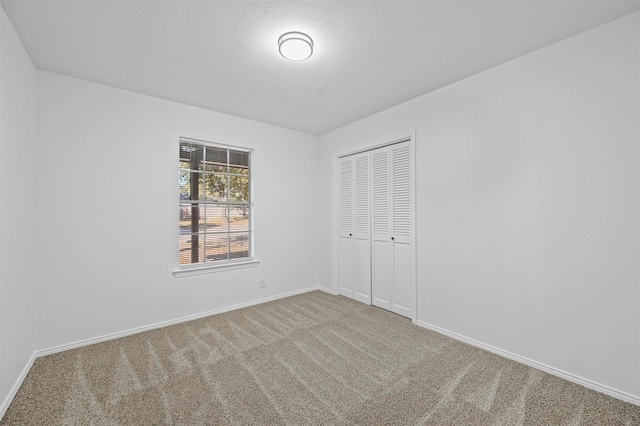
(295, 46)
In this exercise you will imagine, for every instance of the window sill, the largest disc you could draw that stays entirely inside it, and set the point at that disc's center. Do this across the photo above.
(217, 267)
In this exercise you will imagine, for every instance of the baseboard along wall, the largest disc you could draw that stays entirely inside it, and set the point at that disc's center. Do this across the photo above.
(61, 348)
(14, 389)
(66, 347)
(537, 365)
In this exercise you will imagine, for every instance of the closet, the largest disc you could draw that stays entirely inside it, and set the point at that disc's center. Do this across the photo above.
(376, 227)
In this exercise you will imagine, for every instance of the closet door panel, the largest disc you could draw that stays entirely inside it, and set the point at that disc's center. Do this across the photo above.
(346, 267)
(346, 196)
(402, 283)
(345, 220)
(362, 228)
(401, 193)
(382, 278)
(402, 224)
(362, 270)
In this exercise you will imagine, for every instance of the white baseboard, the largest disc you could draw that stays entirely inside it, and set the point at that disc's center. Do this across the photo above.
(327, 290)
(117, 335)
(111, 336)
(16, 385)
(547, 369)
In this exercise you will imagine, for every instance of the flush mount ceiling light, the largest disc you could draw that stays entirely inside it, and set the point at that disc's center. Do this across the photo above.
(295, 46)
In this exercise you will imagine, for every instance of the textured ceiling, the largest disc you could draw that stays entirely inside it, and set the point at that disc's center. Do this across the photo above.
(223, 55)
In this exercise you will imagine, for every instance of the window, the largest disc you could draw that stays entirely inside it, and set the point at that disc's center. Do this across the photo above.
(215, 204)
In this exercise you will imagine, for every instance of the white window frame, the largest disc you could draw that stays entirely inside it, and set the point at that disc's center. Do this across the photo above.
(227, 264)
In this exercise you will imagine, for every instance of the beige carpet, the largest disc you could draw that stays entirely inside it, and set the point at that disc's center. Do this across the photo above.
(310, 359)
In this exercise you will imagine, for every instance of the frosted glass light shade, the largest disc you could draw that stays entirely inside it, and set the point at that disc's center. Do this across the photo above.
(295, 46)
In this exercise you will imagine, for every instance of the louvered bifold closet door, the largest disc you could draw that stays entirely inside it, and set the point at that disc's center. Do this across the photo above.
(377, 231)
(402, 223)
(362, 228)
(381, 249)
(345, 220)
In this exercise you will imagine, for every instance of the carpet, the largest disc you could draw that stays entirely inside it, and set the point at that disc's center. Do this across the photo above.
(311, 359)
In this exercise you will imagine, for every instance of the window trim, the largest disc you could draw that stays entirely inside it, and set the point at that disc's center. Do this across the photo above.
(226, 264)
(219, 266)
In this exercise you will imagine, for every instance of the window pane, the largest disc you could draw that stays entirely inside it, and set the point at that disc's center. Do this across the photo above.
(191, 185)
(199, 241)
(216, 155)
(239, 171)
(191, 218)
(239, 190)
(238, 158)
(217, 218)
(239, 245)
(191, 248)
(239, 218)
(185, 219)
(217, 247)
(215, 187)
(215, 168)
(184, 249)
(192, 153)
(185, 185)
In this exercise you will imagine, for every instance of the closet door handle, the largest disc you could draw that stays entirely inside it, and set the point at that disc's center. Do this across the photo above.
(391, 238)
(349, 234)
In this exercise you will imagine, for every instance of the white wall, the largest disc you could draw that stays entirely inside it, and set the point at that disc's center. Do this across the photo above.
(18, 193)
(527, 204)
(108, 211)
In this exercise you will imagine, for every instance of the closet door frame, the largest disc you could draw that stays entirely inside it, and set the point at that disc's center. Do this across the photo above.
(410, 138)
